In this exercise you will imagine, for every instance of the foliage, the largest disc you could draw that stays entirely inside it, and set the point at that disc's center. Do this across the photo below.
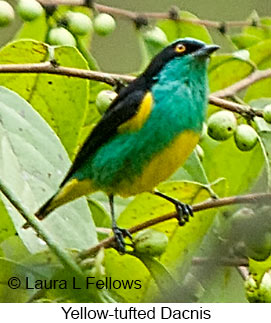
(44, 119)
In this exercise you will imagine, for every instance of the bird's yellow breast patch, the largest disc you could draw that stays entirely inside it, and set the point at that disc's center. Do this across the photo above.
(137, 121)
(163, 165)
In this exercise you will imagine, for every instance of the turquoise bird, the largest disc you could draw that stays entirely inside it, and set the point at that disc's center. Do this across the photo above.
(148, 132)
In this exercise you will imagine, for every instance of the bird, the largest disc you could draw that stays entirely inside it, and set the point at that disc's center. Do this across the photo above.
(145, 135)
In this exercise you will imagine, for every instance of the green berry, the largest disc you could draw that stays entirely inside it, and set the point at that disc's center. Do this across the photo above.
(6, 13)
(61, 36)
(245, 137)
(156, 36)
(241, 217)
(29, 9)
(150, 242)
(259, 247)
(104, 24)
(104, 99)
(79, 23)
(267, 113)
(221, 125)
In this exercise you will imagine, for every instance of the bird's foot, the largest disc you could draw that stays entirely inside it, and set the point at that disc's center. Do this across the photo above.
(120, 234)
(184, 211)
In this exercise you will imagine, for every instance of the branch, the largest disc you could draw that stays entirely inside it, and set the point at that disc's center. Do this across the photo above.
(244, 110)
(113, 79)
(133, 15)
(49, 68)
(249, 198)
(244, 83)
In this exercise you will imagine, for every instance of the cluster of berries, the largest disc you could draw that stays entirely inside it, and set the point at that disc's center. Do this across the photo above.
(223, 124)
(76, 23)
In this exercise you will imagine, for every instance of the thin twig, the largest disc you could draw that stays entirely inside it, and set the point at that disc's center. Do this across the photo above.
(234, 262)
(128, 14)
(212, 203)
(243, 84)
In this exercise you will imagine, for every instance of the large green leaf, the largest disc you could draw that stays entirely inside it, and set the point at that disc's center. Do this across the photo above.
(258, 90)
(36, 29)
(33, 163)
(225, 70)
(242, 41)
(223, 159)
(260, 54)
(180, 29)
(92, 114)
(18, 262)
(259, 32)
(61, 100)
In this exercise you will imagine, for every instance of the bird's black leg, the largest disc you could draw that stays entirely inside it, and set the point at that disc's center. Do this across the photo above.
(183, 210)
(119, 233)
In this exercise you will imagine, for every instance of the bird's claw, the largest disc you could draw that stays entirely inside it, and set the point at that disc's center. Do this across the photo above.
(184, 211)
(120, 234)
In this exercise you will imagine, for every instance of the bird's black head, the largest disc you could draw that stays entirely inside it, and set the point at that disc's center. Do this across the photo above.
(179, 48)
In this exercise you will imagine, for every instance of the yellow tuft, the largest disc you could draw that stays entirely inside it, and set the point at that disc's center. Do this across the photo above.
(137, 122)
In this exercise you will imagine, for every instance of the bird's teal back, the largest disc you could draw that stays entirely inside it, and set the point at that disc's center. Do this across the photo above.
(178, 107)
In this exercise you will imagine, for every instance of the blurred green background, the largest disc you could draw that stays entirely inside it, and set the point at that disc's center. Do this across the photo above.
(113, 58)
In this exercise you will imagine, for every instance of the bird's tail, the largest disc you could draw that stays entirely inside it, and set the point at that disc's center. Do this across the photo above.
(43, 211)
(46, 208)
(69, 192)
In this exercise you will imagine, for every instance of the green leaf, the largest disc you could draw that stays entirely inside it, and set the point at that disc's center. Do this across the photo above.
(192, 170)
(223, 159)
(161, 276)
(149, 46)
(260, 54)
(61, 101)
(258, 90)
(242, 41)
(6, 226)
(180, 29)
(129, 268)
(100, 216)
(259, 32)
(38, 267)
(35, 29)
(92, 113)
(33, 163)
(225, 70)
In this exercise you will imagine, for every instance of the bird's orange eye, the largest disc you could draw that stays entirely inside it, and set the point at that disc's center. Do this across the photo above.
(180, 48)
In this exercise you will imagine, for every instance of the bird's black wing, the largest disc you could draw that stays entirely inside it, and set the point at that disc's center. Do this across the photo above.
(123, 108)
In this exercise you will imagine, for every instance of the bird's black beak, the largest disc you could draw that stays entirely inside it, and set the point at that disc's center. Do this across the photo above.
(207, 50)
